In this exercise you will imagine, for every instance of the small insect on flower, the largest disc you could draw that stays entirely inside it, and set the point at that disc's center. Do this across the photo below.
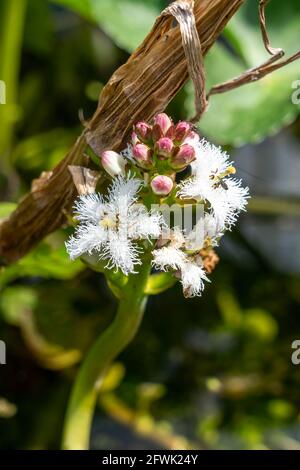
(212, 182)
(112, 226)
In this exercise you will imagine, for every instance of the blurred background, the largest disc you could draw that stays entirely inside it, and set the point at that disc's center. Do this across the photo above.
(208, 373)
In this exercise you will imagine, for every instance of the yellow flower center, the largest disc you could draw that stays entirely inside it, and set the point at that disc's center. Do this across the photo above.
(108, 223)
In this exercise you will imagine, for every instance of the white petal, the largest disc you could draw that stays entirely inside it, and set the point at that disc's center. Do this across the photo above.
(123, 191)
(121, 253)
(192, 279)
(89, 208)
(207, 227)
(168, 258)
(209, 158)
(142, 224)
(87, 238)
(213, 229)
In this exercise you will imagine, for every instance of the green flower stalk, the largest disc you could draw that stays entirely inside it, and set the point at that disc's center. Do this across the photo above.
(125, 233)
(114, 340)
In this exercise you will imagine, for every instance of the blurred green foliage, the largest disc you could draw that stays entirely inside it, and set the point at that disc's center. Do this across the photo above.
(213, 372)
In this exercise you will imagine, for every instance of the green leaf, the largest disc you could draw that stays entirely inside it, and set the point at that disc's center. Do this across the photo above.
(16, 300)
(17, 304)
(251, 112)
(35, 28)
(82, 7)
(6, 208)
(45, 261)
(43, 151)
(127, 22)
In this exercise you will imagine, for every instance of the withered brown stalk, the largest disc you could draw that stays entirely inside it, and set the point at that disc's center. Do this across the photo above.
(259, 72)
(139, 89)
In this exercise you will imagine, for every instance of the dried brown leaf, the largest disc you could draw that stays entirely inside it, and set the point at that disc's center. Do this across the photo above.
(85, 180)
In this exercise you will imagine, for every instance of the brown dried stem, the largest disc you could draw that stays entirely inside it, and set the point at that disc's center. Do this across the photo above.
(257, 73)
(183, 12)
(262, 21)
(138, 90)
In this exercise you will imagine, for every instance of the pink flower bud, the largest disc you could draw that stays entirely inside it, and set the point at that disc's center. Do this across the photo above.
(162, 123)
(143, 131)
(143, 156)
(162, 185)
(164, 148)
(185, 155)
(181, 131)
(113, 163)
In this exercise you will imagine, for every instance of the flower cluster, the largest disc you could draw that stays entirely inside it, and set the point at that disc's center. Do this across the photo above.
(150, 171)
(112, 226)
(163, 145)
(162, 150)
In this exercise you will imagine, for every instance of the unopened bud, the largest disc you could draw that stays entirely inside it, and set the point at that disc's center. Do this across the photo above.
(142, 155)
(185, 155)
(143, 131)
(182, 130)
(164, 148)
(113, 163)
(162, 124)
(162, 185)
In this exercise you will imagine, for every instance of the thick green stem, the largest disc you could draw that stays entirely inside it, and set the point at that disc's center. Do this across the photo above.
(83, 399)
(11, 34)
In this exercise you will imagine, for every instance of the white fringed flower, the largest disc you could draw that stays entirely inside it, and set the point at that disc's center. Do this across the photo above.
(192, 279)
(211, 182)
(111, 226)
(174, 256)
(192, 274)
(207, 229)
(169, 257)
